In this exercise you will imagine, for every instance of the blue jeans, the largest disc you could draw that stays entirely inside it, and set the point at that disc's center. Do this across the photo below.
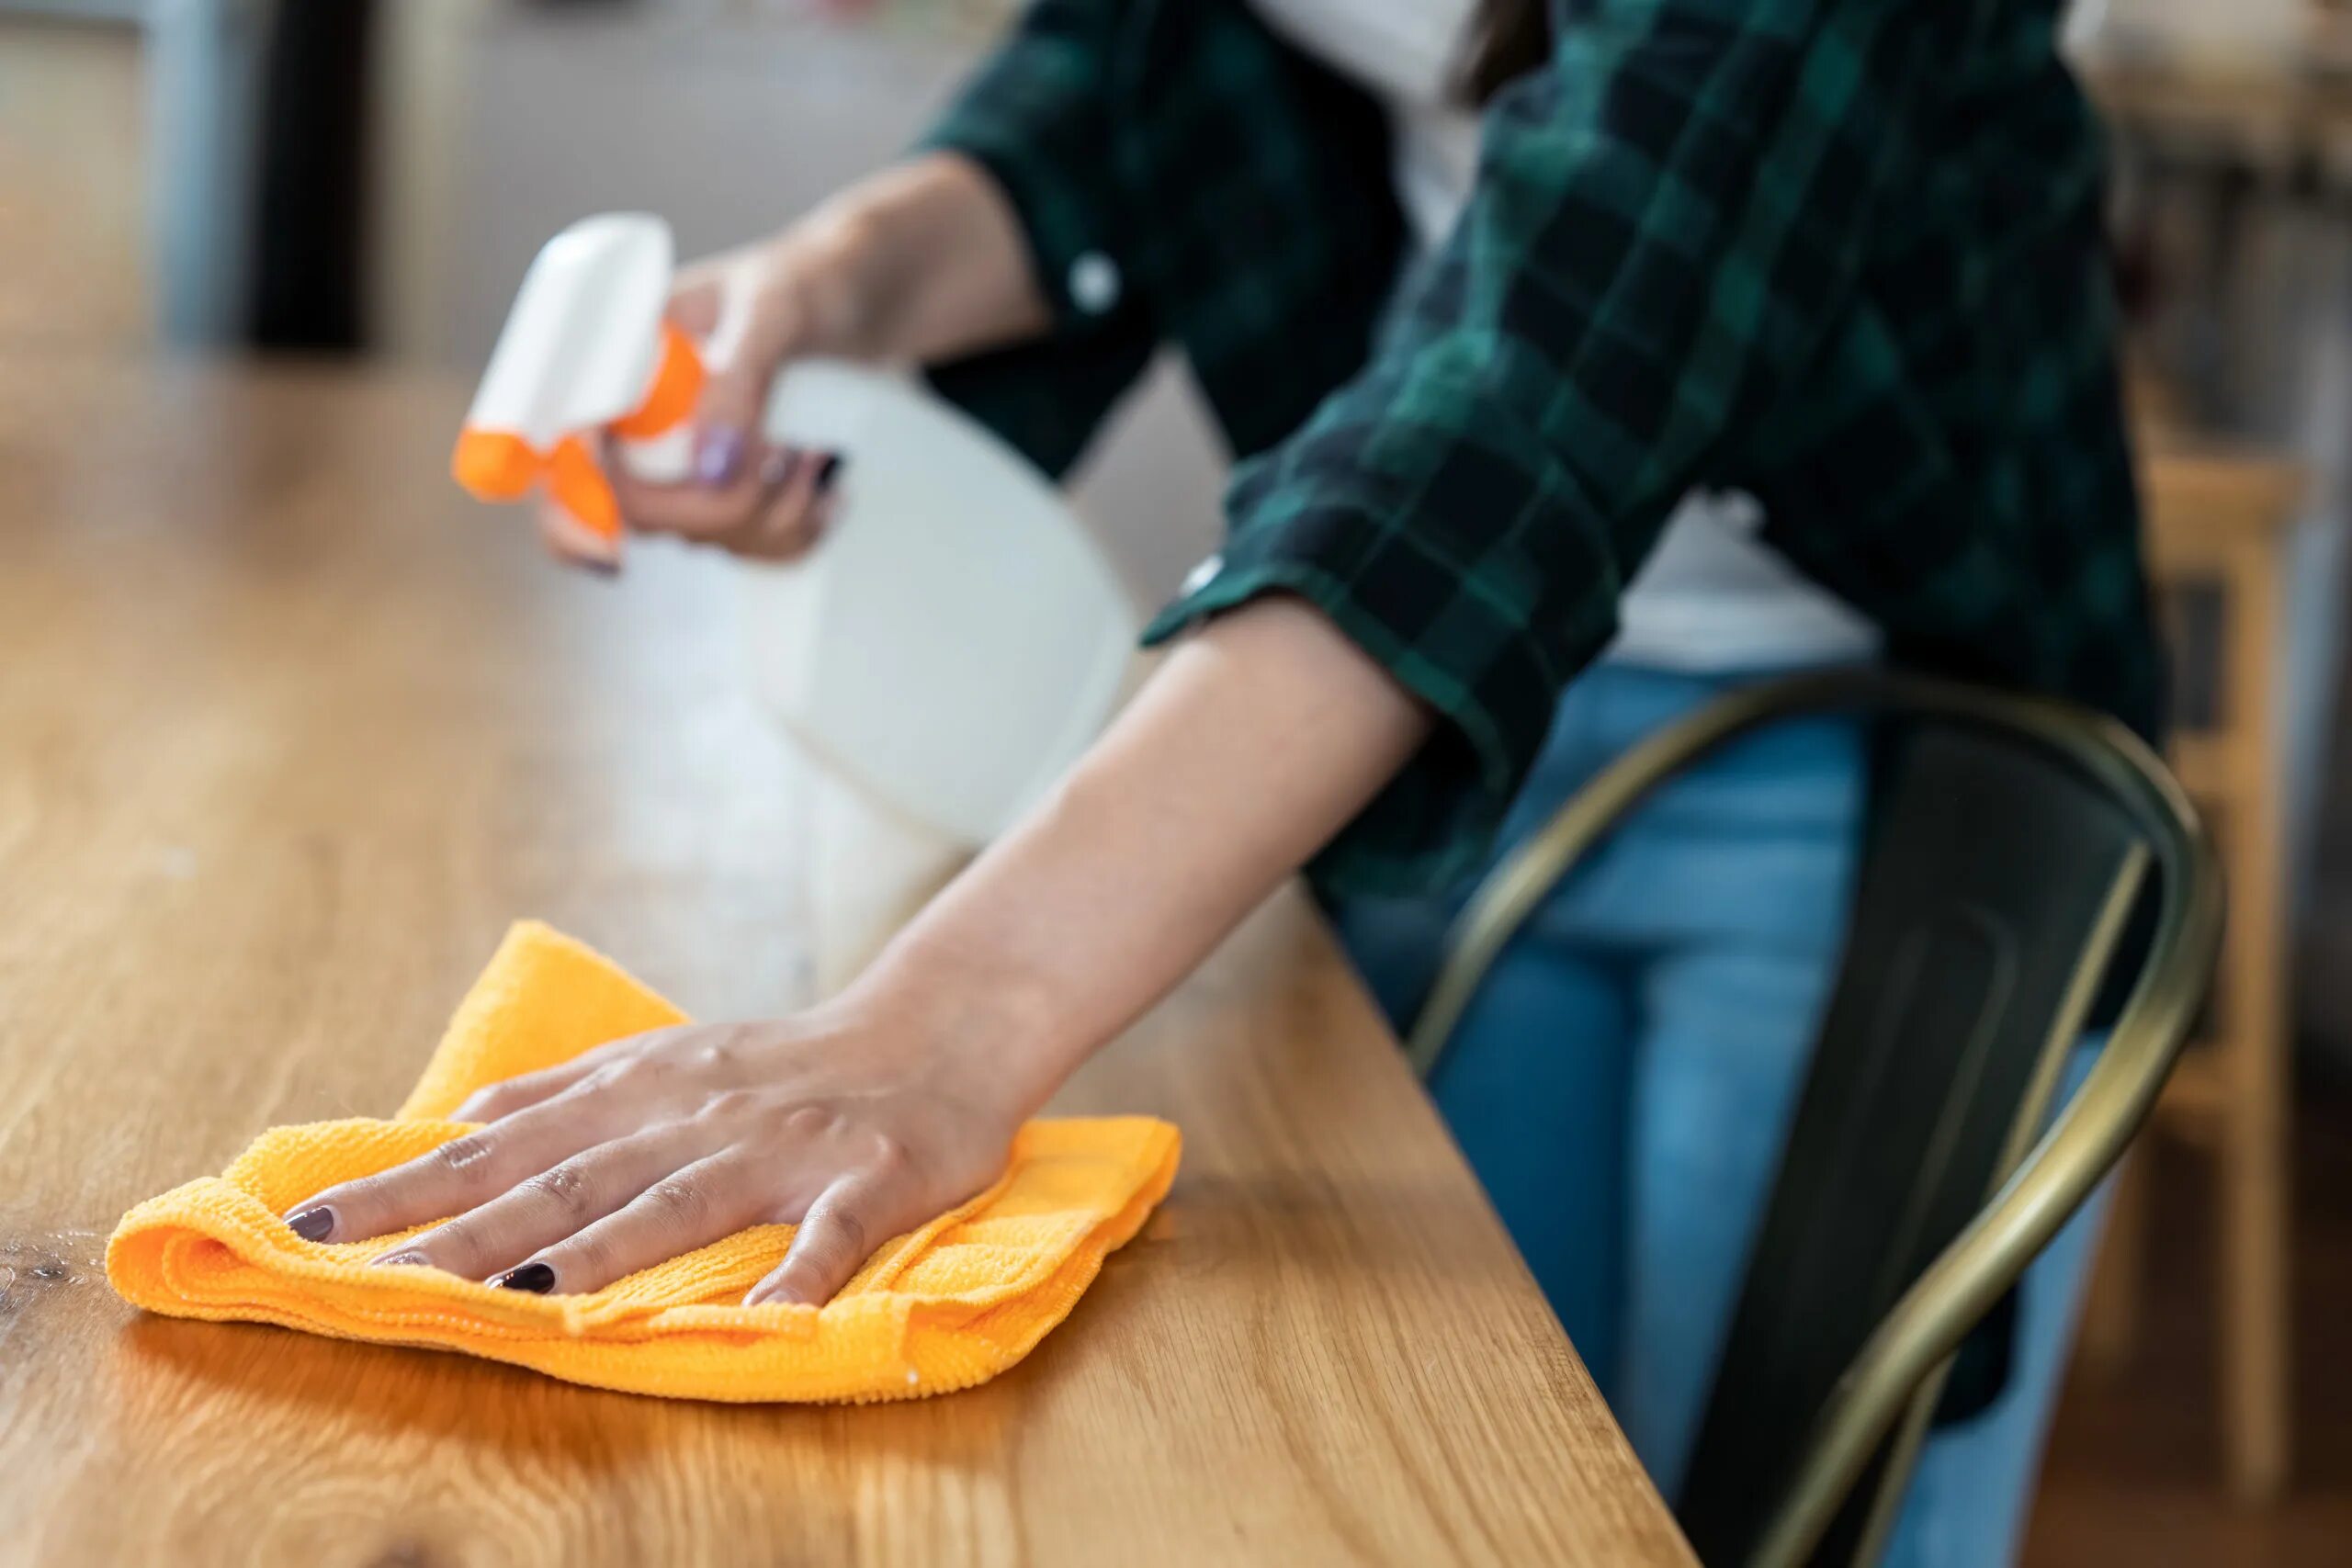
(1623, 1081)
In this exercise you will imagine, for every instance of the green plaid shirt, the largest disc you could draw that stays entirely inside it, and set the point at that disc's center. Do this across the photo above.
(1842, 254)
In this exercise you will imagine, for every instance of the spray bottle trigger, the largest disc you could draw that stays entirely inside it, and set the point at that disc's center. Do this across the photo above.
(580, 487)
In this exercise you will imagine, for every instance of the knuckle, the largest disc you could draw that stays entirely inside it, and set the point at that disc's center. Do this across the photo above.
(891, 1157)
(461, 1156)
(564, 1189)
(811, 1120)
(678, 1203)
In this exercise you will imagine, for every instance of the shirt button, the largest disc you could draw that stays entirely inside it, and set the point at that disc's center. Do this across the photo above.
(1201, 576)
(1094, 283)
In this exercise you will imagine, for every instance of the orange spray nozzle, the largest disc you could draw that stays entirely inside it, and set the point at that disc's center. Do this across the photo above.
(499, 465)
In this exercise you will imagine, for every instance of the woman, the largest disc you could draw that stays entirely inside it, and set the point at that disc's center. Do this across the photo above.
(1833, 264)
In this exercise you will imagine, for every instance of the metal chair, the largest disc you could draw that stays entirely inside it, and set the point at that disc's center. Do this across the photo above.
(2012, 838)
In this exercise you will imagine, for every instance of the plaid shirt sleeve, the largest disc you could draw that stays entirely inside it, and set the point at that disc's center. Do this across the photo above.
(1038, 118)
(1665, 221)
(1181, 177)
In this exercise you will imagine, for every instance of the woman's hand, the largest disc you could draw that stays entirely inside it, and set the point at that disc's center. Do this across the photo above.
(653, 1145)
(807, 288)
(924, 261)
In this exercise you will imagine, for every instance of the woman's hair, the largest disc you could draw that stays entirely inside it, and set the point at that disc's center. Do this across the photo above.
(1508, 38)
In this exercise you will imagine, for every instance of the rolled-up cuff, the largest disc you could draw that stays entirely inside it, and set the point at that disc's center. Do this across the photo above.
(1480, 673)
(1074, 255)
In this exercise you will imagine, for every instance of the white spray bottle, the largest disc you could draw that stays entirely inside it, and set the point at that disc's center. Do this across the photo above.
(950, 647)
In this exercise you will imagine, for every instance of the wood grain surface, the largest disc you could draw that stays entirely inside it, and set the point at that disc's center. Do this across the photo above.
(289, 732)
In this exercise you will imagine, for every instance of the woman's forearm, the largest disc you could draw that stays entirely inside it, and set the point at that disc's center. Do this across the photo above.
(937, 264)
(1256, 741)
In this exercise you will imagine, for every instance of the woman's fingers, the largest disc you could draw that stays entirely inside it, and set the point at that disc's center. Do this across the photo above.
(464, 1172)
(697, 508)
(794, 519)
(774, 326)
(740, 493)
(843, 1228)
(559, 1201)
(690, 1207)
(772, 513)
(572, 542)
(665, 1142)
(504, 1098)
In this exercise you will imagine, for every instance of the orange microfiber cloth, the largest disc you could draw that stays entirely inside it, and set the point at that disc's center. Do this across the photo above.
(942, 1308)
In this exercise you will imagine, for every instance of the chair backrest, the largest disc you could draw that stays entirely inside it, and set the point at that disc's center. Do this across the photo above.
(2009, 841)
(1994, 884)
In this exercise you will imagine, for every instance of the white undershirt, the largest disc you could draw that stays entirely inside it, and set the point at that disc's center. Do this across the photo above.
(1711, 596)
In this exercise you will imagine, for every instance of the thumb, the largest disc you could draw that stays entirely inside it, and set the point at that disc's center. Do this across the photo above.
(834, 1240)
(768, 332)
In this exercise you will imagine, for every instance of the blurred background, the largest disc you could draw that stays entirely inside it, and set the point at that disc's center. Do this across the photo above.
(366, 180)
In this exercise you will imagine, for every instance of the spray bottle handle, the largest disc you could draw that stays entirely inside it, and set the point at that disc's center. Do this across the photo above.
(670, 397)
(654, 442)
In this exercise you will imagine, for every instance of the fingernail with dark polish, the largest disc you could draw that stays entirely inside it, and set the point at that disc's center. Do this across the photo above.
(402, 1260)
(535, 1278)
(312, 1224)
(775, 469)
(829, 467)
(597, 566)
(719, 456)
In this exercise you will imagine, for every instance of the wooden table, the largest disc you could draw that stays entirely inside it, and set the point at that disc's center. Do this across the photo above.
(289, 732)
